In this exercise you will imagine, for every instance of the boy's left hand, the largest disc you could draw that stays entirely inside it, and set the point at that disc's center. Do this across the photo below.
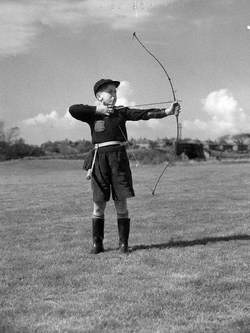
(174, 109)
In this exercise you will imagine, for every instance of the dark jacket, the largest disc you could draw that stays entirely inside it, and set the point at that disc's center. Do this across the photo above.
(111, 128)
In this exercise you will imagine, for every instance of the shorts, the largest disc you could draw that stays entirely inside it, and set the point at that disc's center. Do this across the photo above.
(112, 174)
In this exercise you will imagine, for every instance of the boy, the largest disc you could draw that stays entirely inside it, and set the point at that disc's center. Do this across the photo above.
(110, 170)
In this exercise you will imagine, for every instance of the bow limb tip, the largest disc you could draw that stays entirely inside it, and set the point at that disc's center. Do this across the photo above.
(134, 35)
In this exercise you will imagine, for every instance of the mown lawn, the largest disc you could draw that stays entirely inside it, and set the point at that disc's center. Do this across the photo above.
(188, 269)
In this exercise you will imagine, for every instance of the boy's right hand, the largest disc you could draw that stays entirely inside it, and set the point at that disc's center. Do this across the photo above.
(106, 110)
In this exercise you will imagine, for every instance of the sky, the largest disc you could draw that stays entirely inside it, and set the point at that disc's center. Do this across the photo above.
(52, 52)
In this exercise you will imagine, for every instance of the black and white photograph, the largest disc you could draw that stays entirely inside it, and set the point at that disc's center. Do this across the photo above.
(125, 166)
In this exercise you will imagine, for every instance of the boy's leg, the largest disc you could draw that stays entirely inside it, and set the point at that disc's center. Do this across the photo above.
(98, 226)
(123, 224)
(99, 209)
(121, 208)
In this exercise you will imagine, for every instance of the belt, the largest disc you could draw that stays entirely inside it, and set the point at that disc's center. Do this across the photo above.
(108, 143)
(99, 145)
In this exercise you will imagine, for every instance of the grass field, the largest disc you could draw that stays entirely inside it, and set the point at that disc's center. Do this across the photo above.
(188, 269)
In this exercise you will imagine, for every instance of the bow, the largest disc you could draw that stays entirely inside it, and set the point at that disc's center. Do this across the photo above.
(174, 98)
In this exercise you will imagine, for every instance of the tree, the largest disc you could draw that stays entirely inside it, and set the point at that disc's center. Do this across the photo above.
(83, 146)
(13, 147)
(242, 138)
(225, 139)
(2, 134)
(12, 134)
(152, 144)
(9, 135)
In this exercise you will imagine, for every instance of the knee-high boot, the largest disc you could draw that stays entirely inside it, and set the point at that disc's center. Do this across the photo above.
(123, 230)
(98, 235)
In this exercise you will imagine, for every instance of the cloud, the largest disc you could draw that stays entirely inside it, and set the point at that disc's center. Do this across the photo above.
(51, 119)
(52, 126)
(21, 22)
(124, 93)
(17, 27)
(123, 14)
(41, 119)
(46, 121)
(225, 116)
(117, 13)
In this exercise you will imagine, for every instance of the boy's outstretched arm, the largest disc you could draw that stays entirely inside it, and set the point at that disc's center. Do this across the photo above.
(146, 114)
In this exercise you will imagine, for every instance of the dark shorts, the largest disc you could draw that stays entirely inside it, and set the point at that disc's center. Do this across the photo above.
(112, 174)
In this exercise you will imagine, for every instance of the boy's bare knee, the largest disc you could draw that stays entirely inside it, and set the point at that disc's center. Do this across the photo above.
(121, 208)
(99, 209)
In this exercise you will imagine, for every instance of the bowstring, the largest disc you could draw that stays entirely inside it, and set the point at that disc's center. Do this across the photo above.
(174, 96)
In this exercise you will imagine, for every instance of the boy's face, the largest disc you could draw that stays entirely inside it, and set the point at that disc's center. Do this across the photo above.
(107, 94)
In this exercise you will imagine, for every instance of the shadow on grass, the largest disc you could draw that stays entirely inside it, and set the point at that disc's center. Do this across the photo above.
(186, 243)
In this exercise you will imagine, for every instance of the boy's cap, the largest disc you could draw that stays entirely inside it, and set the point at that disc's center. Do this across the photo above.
(102, 82)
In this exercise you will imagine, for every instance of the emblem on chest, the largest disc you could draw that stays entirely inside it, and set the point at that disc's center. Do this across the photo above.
(99, 126)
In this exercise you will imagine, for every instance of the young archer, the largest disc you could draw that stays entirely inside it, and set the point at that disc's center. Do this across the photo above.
(110, 167)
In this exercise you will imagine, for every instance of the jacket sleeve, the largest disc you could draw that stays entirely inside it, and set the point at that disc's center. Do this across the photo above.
(82, 112)
(139, 114)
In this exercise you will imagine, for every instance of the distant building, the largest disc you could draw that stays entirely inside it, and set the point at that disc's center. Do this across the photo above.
(227, 147)
(193, 150)
(242, 147)
(214, 146)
